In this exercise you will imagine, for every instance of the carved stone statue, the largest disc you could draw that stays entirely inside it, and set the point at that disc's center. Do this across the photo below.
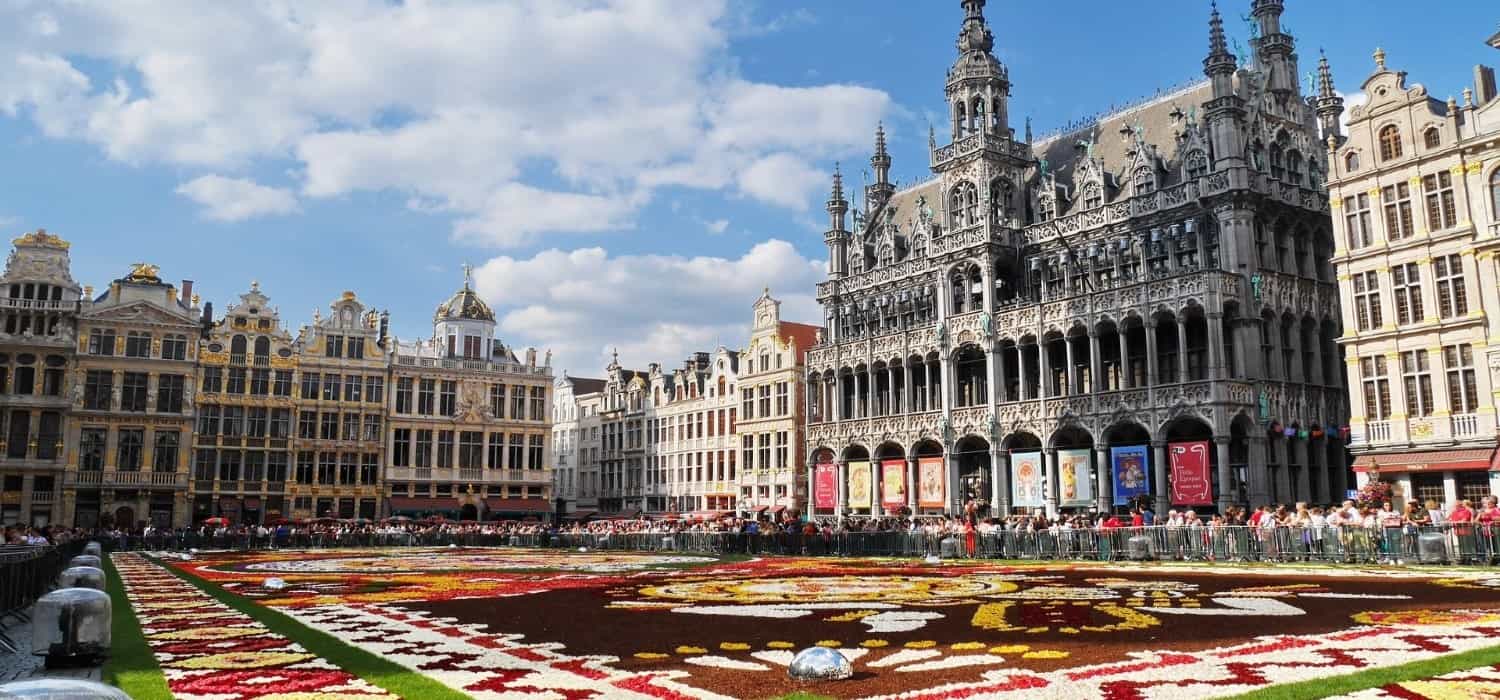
(987, 325)
(942, 333)
(78, 391)
(944, 428)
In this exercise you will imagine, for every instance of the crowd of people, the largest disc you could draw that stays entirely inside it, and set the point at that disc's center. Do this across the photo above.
(1347, 532)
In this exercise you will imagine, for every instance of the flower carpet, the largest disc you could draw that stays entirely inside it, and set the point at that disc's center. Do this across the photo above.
(1470, 684)
(499, 623)
(207, 650)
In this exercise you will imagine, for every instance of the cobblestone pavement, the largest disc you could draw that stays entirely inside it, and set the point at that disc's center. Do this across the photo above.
(22, 665)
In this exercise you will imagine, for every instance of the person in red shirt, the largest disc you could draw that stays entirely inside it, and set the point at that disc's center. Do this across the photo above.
(1488, 518)
(1460, 518)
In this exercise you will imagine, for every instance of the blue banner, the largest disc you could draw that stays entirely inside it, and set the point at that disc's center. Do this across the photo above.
(1131, 471)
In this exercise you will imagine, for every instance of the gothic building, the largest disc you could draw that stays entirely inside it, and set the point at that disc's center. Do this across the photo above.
(469, 430)
(39, 305)
(1052, 323)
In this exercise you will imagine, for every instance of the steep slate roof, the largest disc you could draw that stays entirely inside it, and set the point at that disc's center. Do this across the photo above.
(585, 385)
(805, 335)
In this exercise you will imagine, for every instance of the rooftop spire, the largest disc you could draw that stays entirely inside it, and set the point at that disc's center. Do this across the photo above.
(1325, 76)
(838, 185)
(975, 34)
(1379, 60)
(880, 139)
(1216, 44)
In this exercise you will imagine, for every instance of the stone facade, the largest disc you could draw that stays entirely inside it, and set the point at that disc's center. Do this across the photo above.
(469, 421)
(39, 304)
(1152, 284)
(342, 371)
(773, 403)
(1415, 188)
(690, 444)
(622, 442)
(132, 405)
(243, 440)
(575, 444)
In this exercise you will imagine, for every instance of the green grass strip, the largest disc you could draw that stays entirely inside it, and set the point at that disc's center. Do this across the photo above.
(131, 666)
(389, 675)
(1377, 677)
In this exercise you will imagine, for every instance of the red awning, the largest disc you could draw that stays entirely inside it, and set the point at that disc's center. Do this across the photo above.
(423, 504)
(1434, 460)
(517, 505)
(777, 510)
(761, 509)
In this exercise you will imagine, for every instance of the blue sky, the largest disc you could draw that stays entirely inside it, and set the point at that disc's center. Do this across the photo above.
(623, 174)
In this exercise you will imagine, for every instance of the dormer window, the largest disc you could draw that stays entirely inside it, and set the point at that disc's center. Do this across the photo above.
(1093, 195)
(1197, 164)
(1145, 180)
(1432, 138)
(1351, 162)
(1390, 142)
(1045, 208)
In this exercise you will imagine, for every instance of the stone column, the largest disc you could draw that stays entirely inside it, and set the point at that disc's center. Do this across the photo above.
(877, 486)
(1151, 378)
(1182, 358)
(807, 507)
(1104, 495)
(911, 483)
(1226, 473)
(1071, 383)
(1049, 481)
(994, 494)
(1336, 469)
(1002, 481)
(841, 492)
(908, 404)
(999, 392)
(1298, 446)
(1023, 389)
(955, 500)
(1043, 372)
(1159, 475)
(1216, 369)
(1283, 477)
(1125, 380)
(1317, 463)
(1096, 363)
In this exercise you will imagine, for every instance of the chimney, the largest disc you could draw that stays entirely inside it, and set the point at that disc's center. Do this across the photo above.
(385, 327)
(187, 293)
(206, 321)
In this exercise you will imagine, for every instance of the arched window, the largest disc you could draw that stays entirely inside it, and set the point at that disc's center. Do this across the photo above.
(262, 347)
(1045, 207)
(1314, 176)
(1093, 195)
(1390, 142)
(960, 291)
(1495, 193)
(1197, 164)
(1351, 162)
(1294, 167)
(960, 120)
(1001, 194)
(1145, 180)
(1278, 168)
(237, 346)
(978, 115)
(995, 115)
(1432, 138)
(963, 205)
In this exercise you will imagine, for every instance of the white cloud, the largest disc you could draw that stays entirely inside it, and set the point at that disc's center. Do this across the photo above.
(517, 116)
(237, 199)
(717, 226)
(654, 308)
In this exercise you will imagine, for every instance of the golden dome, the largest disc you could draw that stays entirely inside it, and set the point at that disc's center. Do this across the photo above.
(40, 237)
(464, 305)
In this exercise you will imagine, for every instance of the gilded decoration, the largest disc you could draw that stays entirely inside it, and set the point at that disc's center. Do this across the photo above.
(41, 238)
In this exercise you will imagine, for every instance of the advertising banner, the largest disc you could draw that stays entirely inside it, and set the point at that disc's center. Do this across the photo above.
(860, 495)
(893, 483)
(825, 486)
(1192, 483)
(1026, 482)
(932, 490)
(1076, 488)
(1132, 473)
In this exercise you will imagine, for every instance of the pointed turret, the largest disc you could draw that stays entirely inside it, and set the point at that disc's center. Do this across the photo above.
(1330, 106)
(1275, 50)
(837, 238)
(978, 85)
(880, 192)
(1224, 112)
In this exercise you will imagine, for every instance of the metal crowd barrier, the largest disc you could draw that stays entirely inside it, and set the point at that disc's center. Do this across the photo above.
(1451, 544)
(26, 573)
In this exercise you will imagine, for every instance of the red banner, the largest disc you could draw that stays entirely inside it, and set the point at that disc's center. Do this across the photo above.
(1191, 483)
(893, 483)
(825, 486)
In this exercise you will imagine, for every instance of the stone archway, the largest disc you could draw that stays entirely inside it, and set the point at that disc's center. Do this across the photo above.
(124, 517)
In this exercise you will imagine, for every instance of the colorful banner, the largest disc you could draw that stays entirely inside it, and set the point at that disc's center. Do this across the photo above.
(1026, 483)
(1077, 489)
(859, 485)
(932, 483)
(1192, 483)
(893, 483)
(1132, 473)
(825, 486)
